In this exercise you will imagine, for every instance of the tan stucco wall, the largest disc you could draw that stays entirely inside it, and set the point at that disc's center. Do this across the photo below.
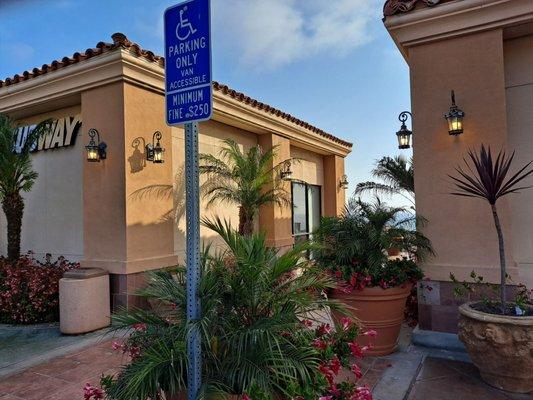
(461, 229)
(334, 196)
(212, 134)
(53, 216)
(519, 98)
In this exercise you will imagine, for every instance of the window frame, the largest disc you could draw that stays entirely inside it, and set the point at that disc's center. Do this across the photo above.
(307, 213)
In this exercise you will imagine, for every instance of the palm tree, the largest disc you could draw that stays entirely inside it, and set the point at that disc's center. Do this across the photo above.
(487, 179)
(16, 176)
(252, 297)
(246, 179)
(397, 176)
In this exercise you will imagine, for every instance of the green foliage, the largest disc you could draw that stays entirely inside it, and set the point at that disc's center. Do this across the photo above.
(396, 174)
(487, 178)
(253, 302)
(486, 291)
(16, 173)
(246, 179)
(354, 246)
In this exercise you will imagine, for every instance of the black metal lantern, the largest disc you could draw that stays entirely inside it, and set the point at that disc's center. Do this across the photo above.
(404, 134)
(343, 184)
(286, 173)
(96, 150)
(154, 152)
(455, 118)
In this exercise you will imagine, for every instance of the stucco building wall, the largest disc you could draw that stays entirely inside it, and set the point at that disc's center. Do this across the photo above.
(482, 49)
(518, 58)
(53, 213)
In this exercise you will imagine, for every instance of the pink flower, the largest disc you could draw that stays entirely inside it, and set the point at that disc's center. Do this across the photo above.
(307, 323)
(325, 398)
(356, 371)
(362, 393)
(327, 373)
(324, 329)
(370, 333)
(140, 327)
(245, 397)
(335, 365)
(116, 345)
(91, 392)
(366, 348)
(356, 350)
(320, 344)
(345, 322)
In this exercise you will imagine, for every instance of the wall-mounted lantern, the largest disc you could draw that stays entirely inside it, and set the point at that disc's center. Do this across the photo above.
(343, 184)
(404, 134)
(286, 173)
(455, 118)
(96, 150)
(154, 152)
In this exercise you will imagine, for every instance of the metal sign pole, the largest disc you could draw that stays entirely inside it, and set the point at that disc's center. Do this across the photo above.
(192, 193)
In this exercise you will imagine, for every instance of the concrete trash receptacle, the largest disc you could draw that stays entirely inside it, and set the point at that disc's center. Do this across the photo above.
(84, 302)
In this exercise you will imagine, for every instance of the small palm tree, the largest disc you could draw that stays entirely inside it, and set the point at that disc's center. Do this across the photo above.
(16, 176)
(253, 300)
(487, 179)
(397, 176)
(246, 179)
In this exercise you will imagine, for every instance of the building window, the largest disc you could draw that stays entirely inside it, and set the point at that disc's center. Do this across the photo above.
(306, 210)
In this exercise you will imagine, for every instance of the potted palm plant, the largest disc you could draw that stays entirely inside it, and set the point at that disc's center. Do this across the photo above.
(498, 335)
(353, 248)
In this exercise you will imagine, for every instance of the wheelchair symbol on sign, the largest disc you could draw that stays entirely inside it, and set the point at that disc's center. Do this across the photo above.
(184, 28)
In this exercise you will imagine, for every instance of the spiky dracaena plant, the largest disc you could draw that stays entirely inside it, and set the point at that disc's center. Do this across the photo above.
(246, 179)
(487, 179)
(16, 176)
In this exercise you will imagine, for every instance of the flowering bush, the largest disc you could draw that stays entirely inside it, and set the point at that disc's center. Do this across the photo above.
(393, 273)
(29, 289)
(354, 247)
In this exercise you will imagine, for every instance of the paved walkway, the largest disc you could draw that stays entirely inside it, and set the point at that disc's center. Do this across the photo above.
(412, 373)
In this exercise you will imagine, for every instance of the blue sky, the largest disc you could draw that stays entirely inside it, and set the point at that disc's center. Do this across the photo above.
(331, 63)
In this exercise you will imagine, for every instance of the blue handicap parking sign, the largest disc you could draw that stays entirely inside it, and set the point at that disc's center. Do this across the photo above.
(188, 87)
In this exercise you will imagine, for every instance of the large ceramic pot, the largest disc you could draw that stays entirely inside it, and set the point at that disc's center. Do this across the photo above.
(500, 346)
(378, 309)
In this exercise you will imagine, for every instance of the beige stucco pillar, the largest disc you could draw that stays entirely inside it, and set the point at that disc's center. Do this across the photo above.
(273, 220)
(334, 195)
(127, 200)
(104, 185)
(461, 229)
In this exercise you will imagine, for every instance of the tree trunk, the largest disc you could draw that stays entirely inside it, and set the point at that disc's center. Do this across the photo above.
(13, 206)
(503, 273)
(246, 224)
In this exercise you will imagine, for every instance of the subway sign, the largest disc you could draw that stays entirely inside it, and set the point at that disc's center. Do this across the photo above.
(63, 133)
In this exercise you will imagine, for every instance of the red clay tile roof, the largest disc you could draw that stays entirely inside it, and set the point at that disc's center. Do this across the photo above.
(121, 41)
(392, 7)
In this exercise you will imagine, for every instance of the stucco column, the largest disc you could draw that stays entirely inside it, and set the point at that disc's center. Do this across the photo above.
(127, 200)
(334, 196)
(273, 220)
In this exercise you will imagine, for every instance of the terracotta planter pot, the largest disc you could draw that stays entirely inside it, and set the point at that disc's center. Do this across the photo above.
(500, 346)
(378, 309)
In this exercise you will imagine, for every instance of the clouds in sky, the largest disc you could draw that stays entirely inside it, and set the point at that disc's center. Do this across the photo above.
(268, 34)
